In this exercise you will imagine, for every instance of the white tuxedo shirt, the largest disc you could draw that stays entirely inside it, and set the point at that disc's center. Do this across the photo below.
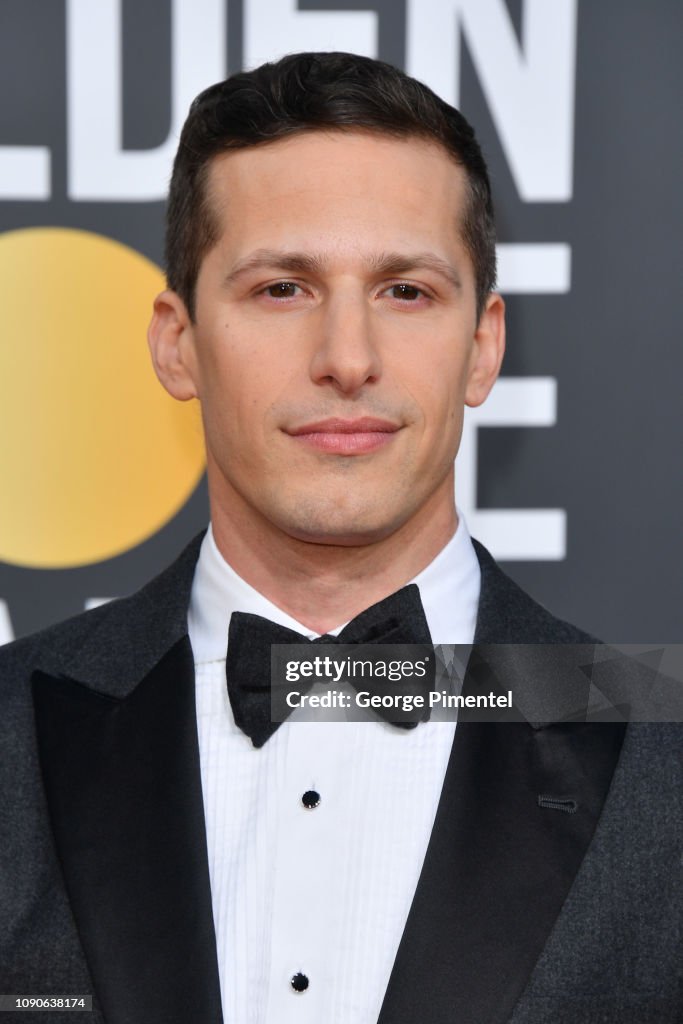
(324, 892)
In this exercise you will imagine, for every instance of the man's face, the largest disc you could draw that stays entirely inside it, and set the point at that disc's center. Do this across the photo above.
(335, 340)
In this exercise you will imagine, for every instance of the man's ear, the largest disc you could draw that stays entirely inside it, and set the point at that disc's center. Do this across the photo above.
(487, 351)
(171, 342)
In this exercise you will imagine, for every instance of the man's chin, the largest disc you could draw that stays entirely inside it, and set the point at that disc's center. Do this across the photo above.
(340, 531)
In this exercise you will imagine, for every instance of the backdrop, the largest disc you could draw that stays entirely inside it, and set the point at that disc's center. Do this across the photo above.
(570, 473)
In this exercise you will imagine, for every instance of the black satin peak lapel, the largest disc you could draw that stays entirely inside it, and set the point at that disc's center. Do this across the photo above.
(499, 866)
(123, 785)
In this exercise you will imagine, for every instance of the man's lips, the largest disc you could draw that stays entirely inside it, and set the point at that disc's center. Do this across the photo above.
(346, 437)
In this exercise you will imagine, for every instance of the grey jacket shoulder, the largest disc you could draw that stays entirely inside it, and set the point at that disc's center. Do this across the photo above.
(117, 642)
(508, 615)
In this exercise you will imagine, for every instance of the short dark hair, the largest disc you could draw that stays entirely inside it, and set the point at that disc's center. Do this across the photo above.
(305, 92)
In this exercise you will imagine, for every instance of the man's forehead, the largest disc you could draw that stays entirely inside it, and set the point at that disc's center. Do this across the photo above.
(229, 164)
(354, 168)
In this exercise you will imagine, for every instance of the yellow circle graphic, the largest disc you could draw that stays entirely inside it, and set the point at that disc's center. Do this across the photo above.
(95, 456)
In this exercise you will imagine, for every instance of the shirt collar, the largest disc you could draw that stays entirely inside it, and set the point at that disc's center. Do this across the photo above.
(449, 589)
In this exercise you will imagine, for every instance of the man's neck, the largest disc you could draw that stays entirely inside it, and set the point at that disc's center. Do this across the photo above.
(325, 585)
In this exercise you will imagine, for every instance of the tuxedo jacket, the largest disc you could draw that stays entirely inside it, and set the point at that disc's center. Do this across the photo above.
(550, 891)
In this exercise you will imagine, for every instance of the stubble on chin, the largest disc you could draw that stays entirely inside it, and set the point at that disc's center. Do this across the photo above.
(353, 518)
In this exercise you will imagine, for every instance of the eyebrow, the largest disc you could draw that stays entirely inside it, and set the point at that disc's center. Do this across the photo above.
(392, 264)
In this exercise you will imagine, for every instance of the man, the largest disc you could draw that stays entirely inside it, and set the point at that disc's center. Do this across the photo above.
(166, 848)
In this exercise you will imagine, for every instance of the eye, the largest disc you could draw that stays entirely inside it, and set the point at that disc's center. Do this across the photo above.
(406, 292)
(282, 290)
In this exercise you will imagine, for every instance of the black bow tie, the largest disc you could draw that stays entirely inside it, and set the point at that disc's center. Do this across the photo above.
(398, 619)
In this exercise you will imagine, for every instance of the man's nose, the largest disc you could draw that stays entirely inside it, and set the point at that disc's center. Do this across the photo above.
(346, 353)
